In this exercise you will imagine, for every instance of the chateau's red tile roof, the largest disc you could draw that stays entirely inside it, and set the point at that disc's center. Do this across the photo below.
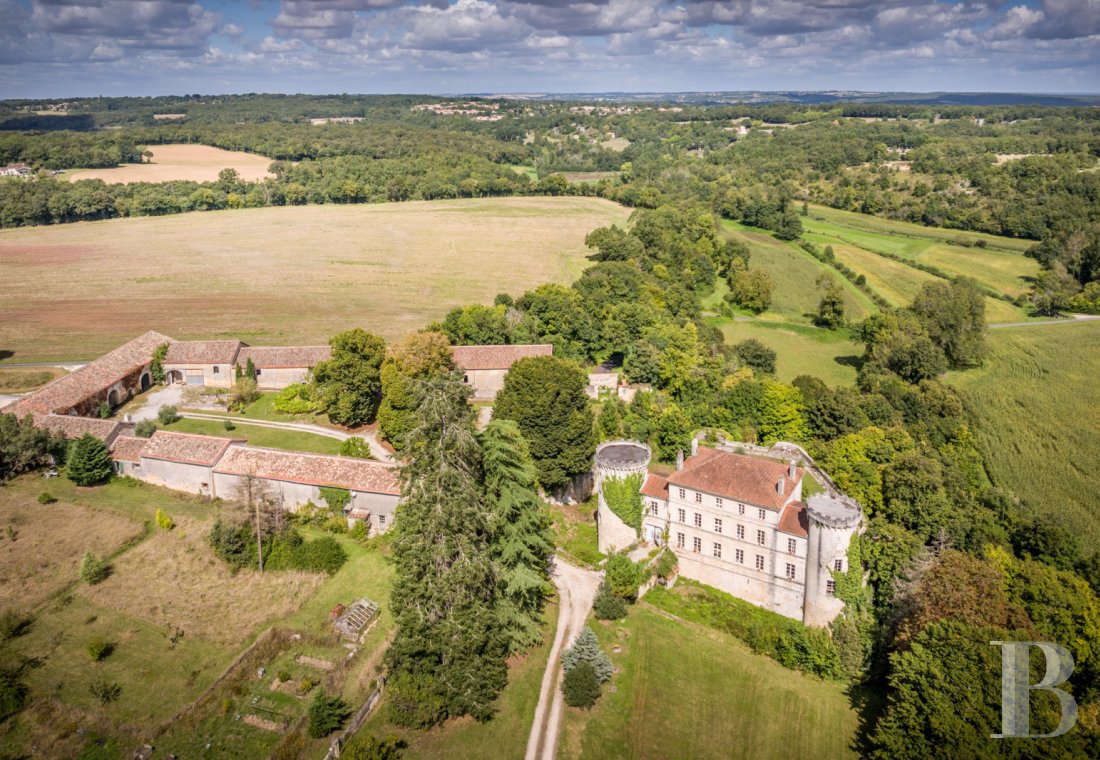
(497, 357)
(655, 486)
(736, 476)
(793, 519)
(203, 352)
(128, 448)
(187, 448)
(311, 469)
(70, 390)
(284, 357)
(75, 427)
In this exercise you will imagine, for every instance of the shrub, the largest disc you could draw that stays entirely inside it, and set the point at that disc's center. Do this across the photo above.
(164, 520)
(335, 498)
(356, 447)
(414, 701)
(336, 524)
(294, 399)
(359, 531)
(373, 748)
(586, 648)
(92, 569)
(13, 693)
(105, 691)
(104, 410)
(608, 606)
(580, 686)
(326, 714)
(99, 648)
(89, 461)
(228, 425)
(13, 625)
(283, 675)
(324, 555)
(245, 392)
(145, 429)
(46, 498)
(168, 414)
(624, 576)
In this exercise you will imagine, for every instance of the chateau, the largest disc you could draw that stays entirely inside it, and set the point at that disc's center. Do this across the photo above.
(735, 522)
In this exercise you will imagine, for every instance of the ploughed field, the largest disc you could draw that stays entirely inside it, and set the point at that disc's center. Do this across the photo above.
(280, 275)
(195, 163)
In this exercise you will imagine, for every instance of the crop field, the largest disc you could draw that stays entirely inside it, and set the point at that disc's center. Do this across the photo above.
(276, 276)
(195, 163)
(1037, 405)
(875, 224)
(23, 379)
(735, 703)
(175, 615)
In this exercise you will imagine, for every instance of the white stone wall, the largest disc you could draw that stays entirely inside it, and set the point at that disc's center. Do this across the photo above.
(382, 507)
(486, 382)
(827, 545)
(191, 478)
(612, 533)
(213, 375)
(277, 378)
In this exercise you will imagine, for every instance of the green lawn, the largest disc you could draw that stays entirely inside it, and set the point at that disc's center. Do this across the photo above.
(1037, 403)
(505, 736)
(686, 691)
(291, 440)
(263, 408)
(875, 224)
(800, 349)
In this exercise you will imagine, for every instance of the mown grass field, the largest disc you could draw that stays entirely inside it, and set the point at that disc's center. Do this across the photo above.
(683, 690)
(196, 163)
(882, 226)
(272, 438)
(801, 349)
(1037, 403)
(278, 276)
(176, 615)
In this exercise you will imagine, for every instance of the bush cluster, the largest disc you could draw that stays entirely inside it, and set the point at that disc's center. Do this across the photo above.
(283, 550)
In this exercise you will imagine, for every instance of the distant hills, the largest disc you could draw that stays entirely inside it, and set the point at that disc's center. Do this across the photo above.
(810, 97)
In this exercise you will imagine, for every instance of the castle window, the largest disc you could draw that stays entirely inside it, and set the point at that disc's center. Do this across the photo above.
(718, 501)
(697, 544)
(760, 537)
(790, 571)
(698, 520)
(739, 556)
(759, 561)
(740, 509)
(838, 565)
(682, 515)
(830, 588)
(763, 515)
(717, 524)
(792, 546)
(741, 532)
(217, 369)
(679, 540)
(652, 507)
(381, 521)
(718, 551)
(681, 493)
(698, 498)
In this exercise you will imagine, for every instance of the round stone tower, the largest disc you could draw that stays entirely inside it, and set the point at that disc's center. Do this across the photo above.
(617, 460)
(832, 521)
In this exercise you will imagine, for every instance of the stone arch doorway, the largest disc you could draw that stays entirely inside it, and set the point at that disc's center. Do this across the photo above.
(175, 376)
(146, 381)
(112, 398)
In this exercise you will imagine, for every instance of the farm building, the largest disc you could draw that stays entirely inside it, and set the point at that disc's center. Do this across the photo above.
(484, 367)
(113, 377)
(126, 453)
(16, 170)
(295, 478)
(202, 362)
(75, 427)
(280, 366)
(181, 461)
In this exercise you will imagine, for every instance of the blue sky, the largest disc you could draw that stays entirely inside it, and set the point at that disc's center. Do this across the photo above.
(63, 48)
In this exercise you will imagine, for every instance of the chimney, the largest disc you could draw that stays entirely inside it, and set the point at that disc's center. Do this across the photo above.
(780, 486)
(790, 470)
(694, 446)
(680, 460)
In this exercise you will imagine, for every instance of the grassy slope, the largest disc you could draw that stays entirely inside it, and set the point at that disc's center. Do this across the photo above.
(802, 350)
(287, 275)
(1038, 408)
(688, 691)
(292, 440)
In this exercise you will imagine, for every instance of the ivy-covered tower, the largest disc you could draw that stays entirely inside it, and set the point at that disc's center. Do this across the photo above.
(621, 468)
(832, 520)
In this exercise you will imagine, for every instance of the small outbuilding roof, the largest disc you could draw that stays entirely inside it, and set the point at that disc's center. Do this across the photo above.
(284, 357)
(187, 448)
(128, 448)
(203, 352)
(497, 357)
(76, 427)
(311, 469)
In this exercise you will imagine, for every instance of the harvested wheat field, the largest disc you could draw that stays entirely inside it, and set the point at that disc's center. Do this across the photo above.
(42, 545)
(276, 276)
(196, 163)
(175, 581)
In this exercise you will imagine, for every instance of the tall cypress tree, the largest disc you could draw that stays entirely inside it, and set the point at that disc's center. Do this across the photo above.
(89, 461)
(447, 657)
(520, 527)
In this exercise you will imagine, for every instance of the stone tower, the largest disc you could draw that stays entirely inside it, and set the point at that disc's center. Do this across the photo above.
(617, 459)
(832, 521)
